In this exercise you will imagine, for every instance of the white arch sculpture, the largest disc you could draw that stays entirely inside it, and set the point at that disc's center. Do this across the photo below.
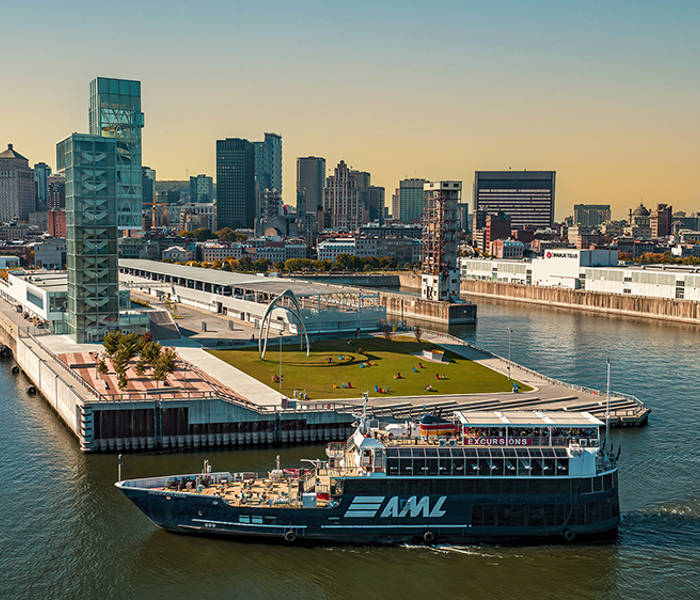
(267, 316)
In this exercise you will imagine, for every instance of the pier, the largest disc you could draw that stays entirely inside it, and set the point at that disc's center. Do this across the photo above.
(208, 403)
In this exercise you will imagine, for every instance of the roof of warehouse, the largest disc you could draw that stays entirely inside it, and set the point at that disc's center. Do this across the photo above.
(270, 285)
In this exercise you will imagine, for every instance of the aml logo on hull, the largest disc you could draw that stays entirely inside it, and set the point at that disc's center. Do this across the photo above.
(368, 507)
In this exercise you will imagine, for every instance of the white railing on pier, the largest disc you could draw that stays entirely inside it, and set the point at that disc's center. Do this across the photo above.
(580, 388)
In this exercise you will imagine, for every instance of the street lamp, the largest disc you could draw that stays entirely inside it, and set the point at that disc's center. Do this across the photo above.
(510, 331)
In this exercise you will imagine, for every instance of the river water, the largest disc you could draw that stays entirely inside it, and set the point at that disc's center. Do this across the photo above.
(67, 532)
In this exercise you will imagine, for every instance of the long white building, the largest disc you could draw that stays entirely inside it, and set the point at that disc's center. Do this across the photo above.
(595, 270)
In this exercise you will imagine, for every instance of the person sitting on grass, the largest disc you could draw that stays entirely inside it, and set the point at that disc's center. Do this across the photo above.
(398, 375)
(428, 388)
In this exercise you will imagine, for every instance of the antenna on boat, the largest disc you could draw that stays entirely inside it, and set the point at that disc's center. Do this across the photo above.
(120, 461)
(607, 407)
(363, 418)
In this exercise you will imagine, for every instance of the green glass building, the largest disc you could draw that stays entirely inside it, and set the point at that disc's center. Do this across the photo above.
(115, 112)
(89, 164)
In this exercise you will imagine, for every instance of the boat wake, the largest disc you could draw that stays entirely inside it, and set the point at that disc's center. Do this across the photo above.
(664, 524)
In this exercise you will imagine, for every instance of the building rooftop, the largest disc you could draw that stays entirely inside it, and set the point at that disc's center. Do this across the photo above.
(11, 153)
(54, 281)
(252, 281)
(559, 418)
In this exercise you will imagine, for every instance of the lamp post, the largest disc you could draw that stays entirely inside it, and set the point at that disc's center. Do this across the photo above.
(510, 331)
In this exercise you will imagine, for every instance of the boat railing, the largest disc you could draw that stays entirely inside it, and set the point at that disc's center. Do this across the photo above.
(496, 441)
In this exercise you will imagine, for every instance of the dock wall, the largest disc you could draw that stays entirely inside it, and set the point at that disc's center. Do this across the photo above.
(672, 309)
(60, 393)
(408, 307)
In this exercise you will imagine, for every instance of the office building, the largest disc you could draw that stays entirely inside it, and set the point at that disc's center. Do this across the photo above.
(115, 112)
(506, 249)
(90, 164)
(660, 220)
(440, 278)
(268, 163)
(407, 205)
(202, 189)
(341, 199)
(497, 228)
(235, 183)
(57, 223)
(148, 188)
(17, 189)
(527, 197)
(41, 180)
(591, 215)
(57, 192)
(361, 181)
(311, 179)
(375, 204)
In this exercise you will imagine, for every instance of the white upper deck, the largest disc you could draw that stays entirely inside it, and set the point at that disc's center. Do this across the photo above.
(516, 418)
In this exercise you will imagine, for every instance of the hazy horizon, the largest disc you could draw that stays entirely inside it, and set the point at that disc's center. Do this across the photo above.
(605, 94)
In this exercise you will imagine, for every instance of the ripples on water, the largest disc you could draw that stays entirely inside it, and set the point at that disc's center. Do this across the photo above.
(68, 533)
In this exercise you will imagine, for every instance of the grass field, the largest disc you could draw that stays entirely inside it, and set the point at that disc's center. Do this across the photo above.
(322, 379)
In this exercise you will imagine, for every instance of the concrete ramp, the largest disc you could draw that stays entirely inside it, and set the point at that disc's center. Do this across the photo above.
(162, 325)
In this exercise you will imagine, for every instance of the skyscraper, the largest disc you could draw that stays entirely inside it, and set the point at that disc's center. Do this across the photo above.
(660, 220)
(89, 163)
(341, 199)
(57, 192)
(409, 200)
(41, 179)
(115, 112)
(235, 183)
(201, 189)
(591, 215)
(268, 163)
(440, 279)
(17, 195)
(148, 188)
(311, 179)
(375, 203)
(527, 197)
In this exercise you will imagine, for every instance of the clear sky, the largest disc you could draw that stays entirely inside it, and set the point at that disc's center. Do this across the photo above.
(605, 93)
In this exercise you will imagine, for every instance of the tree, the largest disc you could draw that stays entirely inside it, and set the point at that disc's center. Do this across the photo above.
(150, 352)
(293, 264)
(165, 364)
(141, 366)
(130, 345)
(262, 265)
(122, 381)
(202, 234)
(245, 263)
(102, 366)
(226, 234)
(185, 234)
(111, 342)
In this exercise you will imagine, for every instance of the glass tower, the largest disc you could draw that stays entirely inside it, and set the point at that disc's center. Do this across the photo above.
(115, 112)
(268, 163)
(89, 163)
(235, 183)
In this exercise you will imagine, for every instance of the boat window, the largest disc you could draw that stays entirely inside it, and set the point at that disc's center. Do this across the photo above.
(547, 452)
(483, 453)
(562, 466)
(470, 452)
(390, 451)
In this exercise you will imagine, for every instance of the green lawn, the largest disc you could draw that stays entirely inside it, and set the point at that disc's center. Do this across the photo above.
(318, 377)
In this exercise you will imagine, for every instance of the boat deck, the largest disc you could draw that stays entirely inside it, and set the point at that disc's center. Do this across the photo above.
(261, 492)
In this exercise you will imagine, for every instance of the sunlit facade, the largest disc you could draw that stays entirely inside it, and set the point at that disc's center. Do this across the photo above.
(115, 112)
(89, 164)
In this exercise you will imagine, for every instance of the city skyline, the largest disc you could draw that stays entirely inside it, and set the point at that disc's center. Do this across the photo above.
(609, 106)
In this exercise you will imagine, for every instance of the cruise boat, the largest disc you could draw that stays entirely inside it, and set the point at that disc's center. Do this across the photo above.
(494, 477)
